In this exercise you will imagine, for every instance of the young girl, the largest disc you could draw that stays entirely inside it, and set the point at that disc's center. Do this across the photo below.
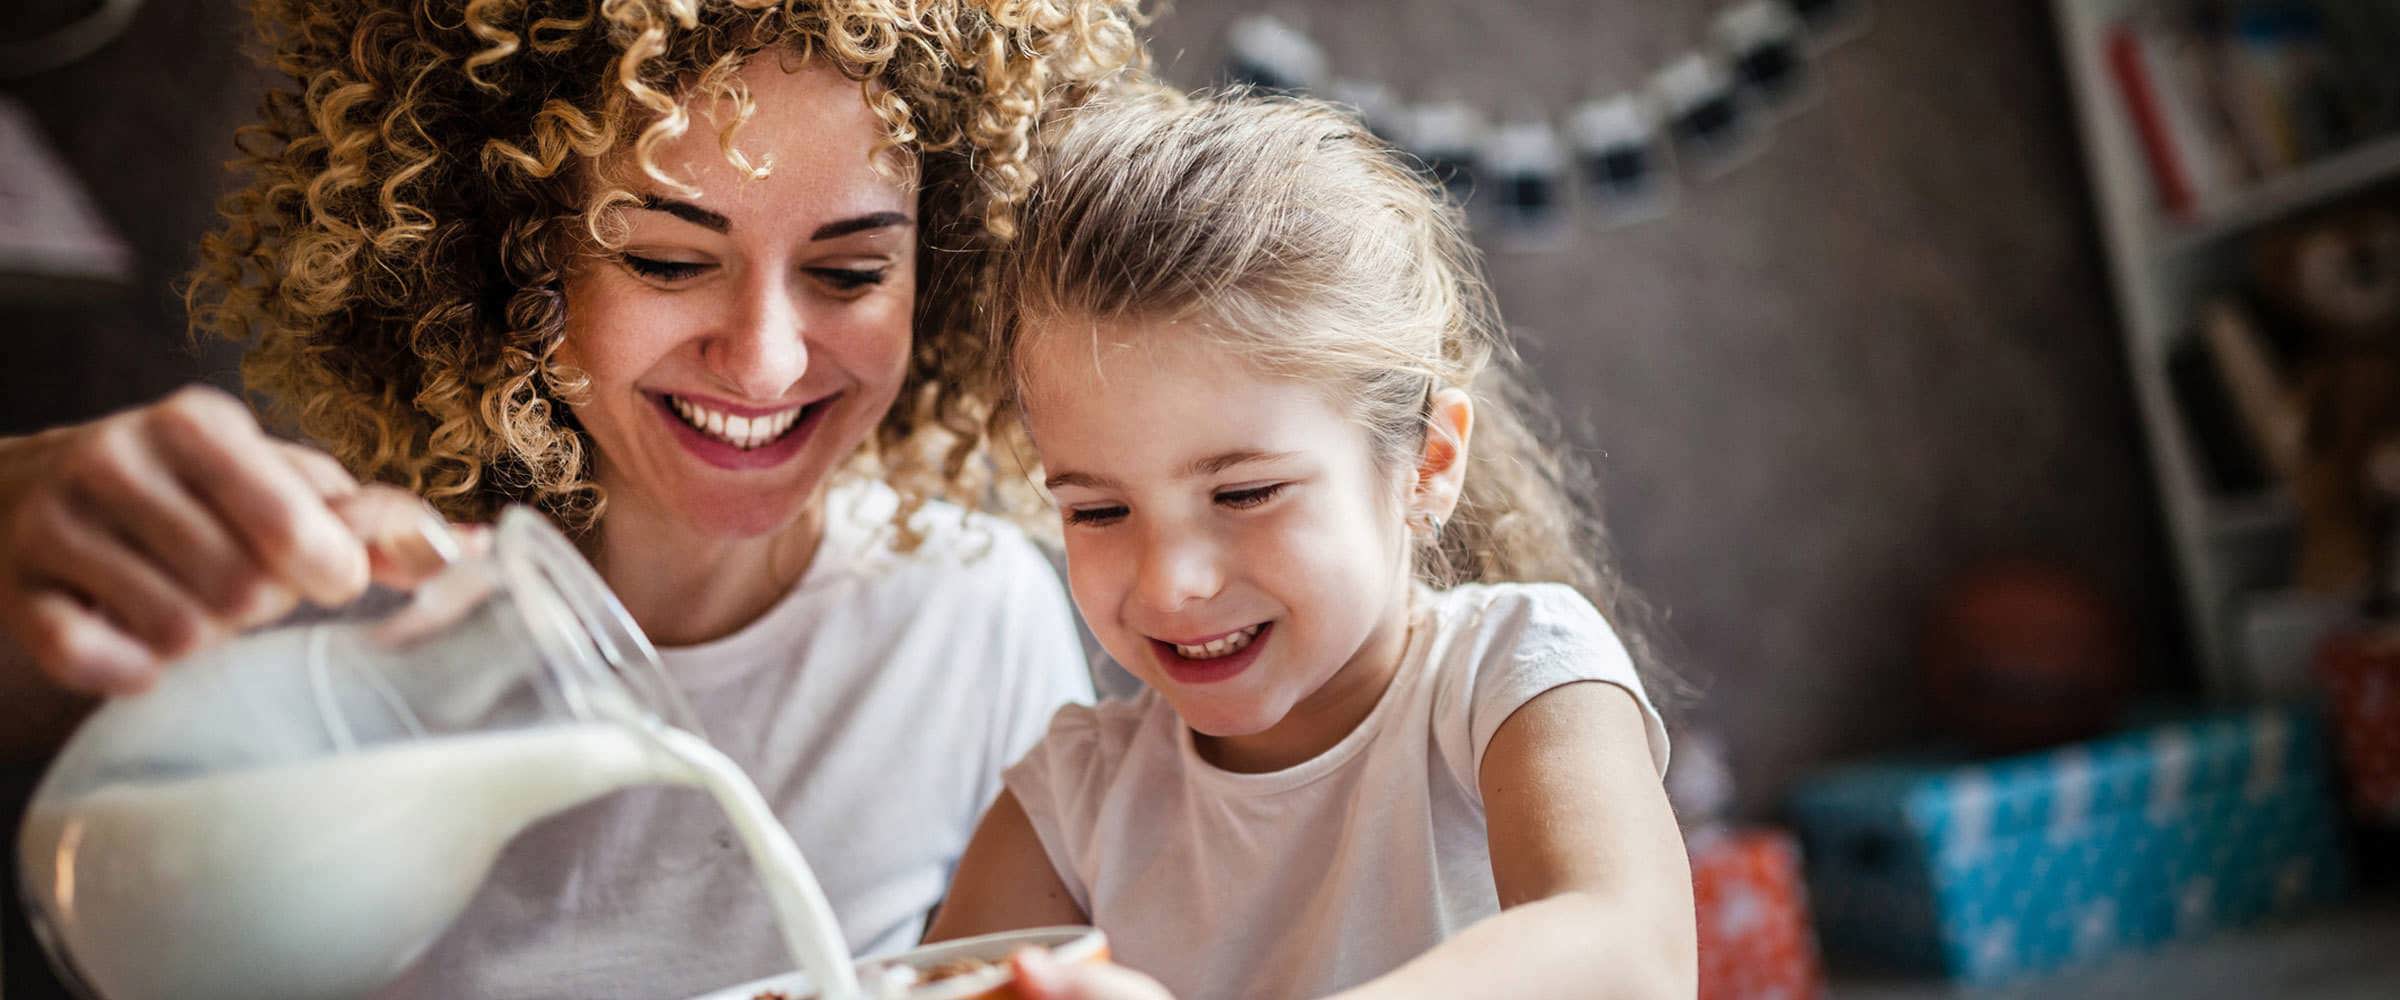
(1388, 745)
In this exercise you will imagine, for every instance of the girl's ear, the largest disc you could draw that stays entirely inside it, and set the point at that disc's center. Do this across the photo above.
(1442, 467)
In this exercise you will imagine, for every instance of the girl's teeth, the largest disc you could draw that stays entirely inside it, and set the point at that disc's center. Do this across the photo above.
(1219, 647)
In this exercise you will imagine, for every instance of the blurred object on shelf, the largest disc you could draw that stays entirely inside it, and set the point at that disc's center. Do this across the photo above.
(2331, 280)
(2023, 654)
(2281, 634)
(2225, 94)
(1700, 786)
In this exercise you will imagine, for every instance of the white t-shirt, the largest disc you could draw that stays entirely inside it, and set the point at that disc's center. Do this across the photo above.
(1309, 880)
(874, 706)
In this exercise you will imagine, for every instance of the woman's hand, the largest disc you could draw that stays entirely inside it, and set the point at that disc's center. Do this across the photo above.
(138, 538)
(1042, 977)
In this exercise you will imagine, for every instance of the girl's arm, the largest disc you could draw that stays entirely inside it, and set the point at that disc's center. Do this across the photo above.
(1004, 881)
(1595, 890)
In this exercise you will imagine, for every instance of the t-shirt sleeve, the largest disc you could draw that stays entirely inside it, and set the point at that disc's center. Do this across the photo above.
(1054, 783)
(1536, 637)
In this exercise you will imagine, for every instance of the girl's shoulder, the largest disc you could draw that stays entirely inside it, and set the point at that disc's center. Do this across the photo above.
(1102, 731)
(1520, 621)
(1088, 747)
(1494, 647)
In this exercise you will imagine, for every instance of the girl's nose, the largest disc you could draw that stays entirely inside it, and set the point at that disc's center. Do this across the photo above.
(1177, 572)
(763, 351)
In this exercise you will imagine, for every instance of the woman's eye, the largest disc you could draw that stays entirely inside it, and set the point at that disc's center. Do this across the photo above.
(1252, 497)
(851, 279)
(1094, 517)
(662, 270)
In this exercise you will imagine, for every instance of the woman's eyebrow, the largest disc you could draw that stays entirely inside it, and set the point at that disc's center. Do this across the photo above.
(860, 224)
(688, 212)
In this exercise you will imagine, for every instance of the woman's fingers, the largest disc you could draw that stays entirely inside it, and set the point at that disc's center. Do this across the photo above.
(87, 559)
(271, 504)
(130, 489)
(73, 644)
(406, 541)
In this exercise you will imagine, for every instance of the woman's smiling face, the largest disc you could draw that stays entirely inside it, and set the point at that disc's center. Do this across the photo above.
(748, 337)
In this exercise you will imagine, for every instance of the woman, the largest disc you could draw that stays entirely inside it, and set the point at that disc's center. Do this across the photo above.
(654, 270)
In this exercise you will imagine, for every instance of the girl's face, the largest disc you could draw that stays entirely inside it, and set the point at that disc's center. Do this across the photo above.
(1230, 538)
(750, 336)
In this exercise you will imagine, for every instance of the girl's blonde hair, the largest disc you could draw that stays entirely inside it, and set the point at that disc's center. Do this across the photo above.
(1286, 229)
(428, 170)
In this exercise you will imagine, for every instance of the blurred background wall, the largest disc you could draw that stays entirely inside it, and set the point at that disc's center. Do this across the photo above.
(1879, 351)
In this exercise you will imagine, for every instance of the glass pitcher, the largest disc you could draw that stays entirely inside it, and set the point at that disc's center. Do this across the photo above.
(300, 812)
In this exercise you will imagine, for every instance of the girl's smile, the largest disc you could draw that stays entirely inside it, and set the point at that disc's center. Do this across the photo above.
(1206, 661)
(1231, 538)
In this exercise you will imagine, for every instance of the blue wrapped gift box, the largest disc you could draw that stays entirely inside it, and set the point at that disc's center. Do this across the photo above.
(1987, 871)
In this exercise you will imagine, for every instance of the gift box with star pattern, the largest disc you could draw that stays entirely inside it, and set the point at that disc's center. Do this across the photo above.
(1992, 870)
(1755, 940)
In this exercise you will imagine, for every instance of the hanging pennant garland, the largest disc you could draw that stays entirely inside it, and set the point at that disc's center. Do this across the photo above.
(1707, 111)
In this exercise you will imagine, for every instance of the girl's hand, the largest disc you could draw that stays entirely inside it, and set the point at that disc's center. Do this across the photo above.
(1041, 977)
(138, 538)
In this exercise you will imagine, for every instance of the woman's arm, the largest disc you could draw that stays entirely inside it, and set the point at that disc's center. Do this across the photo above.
(1595, 890)
(1004, 881)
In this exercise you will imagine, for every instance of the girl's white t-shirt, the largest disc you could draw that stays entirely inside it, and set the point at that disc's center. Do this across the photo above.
(875, 706)
(1309, 880)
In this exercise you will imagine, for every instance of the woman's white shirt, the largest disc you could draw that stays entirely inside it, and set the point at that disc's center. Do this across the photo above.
(875, 706)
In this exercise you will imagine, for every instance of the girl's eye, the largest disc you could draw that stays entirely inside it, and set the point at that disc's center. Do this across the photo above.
(851, 279)
(1252, 497)
(1094, 517)
(662, 270)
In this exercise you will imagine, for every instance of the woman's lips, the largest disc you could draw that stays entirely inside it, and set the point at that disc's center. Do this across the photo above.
(725, 455)
(1183, 670)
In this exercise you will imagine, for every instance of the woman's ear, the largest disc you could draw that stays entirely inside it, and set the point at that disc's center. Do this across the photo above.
(1442, 466)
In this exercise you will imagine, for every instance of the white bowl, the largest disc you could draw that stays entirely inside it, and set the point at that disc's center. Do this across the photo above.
(1068, 944)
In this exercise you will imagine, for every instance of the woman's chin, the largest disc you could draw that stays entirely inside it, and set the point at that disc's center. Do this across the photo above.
(745, 515)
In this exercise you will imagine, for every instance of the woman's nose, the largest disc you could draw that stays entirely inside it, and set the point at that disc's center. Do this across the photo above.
(763, 351)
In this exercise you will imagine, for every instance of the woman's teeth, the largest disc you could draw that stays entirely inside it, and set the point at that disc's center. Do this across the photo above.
(741, 432)
(1226, 646)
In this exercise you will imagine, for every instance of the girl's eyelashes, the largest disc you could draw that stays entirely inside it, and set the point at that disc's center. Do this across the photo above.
(661, 270)
(1243, 499)
(1094, 517)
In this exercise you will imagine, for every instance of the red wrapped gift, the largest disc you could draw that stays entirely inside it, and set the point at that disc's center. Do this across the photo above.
(1755, 938)
(2361, 671)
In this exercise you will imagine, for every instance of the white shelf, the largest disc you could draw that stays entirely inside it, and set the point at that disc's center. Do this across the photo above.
(2223, 547)
(2294, 191)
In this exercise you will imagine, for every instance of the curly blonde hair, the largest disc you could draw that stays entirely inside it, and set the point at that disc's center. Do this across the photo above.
(419, 188)
(1284, 230)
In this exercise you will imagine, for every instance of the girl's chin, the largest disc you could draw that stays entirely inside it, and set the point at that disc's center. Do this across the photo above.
(1225, 722)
